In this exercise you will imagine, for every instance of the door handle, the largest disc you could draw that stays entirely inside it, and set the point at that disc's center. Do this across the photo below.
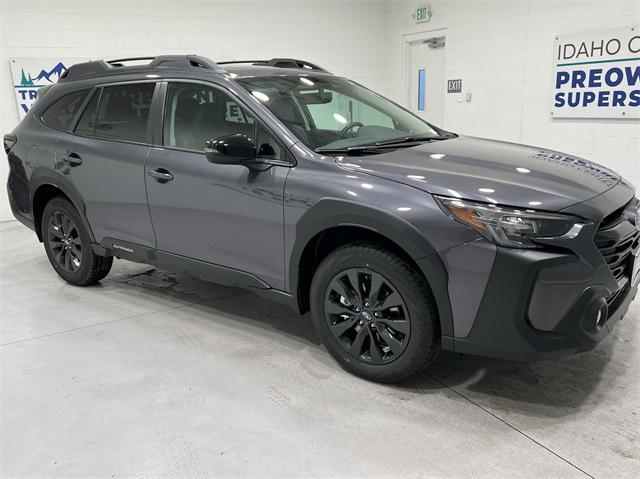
(72, 158)
(161, 175)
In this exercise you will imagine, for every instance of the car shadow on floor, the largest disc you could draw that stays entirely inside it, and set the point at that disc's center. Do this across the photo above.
(552, 388)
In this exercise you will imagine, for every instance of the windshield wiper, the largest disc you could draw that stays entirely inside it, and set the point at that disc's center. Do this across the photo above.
(405, 141)
(408, 139)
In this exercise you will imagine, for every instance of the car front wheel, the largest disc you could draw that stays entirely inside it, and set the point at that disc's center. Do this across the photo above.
(375, 313)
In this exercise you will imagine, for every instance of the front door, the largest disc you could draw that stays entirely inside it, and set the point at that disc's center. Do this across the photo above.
(227, 215)
(426, 82)
(104, 158)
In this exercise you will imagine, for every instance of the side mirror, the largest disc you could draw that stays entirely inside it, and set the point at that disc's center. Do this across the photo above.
(230, 149)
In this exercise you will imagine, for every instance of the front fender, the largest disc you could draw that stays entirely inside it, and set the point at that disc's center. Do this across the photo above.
(329, 213)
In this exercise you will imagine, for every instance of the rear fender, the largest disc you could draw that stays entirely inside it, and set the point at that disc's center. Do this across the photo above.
(44, 176)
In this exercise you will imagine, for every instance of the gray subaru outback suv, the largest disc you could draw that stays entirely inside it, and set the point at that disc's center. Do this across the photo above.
(307, 188)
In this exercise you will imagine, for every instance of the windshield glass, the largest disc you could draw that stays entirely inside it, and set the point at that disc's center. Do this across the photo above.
(331, 113)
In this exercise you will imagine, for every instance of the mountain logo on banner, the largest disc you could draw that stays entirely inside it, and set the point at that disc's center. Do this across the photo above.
(50, 76)
(30, 74)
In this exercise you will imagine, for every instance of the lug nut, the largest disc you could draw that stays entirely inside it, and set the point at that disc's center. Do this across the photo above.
(366, 304)
(376, 314)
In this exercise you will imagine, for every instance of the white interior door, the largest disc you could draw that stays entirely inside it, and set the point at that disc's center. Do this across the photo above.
(426, 82)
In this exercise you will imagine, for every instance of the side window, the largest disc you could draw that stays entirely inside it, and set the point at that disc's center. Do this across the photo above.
(194, 114)
(61, 113)
(87, 123)
(123, 112)
(342, 110)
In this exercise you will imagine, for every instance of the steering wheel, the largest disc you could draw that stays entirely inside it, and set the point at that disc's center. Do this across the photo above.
(350, 127)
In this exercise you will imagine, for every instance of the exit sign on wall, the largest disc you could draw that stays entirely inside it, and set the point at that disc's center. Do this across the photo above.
(422, 14)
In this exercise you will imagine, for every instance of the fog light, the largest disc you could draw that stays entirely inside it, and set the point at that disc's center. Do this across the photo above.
(601, 316)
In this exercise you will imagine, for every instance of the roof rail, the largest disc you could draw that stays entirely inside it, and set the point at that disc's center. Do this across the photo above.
(114, 67)
(281, 63)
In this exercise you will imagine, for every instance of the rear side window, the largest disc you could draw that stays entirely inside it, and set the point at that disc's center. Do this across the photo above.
(124, 111)
(61, 113)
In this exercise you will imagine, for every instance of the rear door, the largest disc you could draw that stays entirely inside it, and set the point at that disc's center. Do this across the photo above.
(104, 157)
(227, 215)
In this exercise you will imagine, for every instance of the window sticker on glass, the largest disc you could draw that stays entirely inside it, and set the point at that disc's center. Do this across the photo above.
(235, 114)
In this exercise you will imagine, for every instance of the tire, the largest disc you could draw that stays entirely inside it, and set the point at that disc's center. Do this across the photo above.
(68, 245)
(388, 329)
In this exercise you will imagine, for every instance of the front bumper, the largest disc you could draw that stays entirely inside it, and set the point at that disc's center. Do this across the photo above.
(539, 304)
(503, 326)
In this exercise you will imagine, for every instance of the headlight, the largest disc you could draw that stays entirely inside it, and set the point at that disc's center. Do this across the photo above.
(510, 227)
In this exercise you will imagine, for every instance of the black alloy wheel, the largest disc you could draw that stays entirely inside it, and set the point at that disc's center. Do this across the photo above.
(67, 243)
(367, 316)
(375, 312)
(64, 241)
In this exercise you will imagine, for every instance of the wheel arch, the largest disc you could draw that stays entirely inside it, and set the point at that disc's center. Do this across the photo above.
(45, 186)
(333, 223)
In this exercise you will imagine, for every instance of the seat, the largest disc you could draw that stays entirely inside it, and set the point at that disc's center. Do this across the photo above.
(213, 121)
(185, 119)
(115, 123)
(285, 110)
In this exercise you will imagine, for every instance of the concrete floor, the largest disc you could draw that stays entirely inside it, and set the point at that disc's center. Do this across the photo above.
(153, 374)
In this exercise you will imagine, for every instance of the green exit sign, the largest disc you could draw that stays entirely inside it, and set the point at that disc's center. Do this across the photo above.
(423, 14)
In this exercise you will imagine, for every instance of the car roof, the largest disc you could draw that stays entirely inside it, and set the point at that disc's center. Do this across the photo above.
(164, 65)
(248, 71)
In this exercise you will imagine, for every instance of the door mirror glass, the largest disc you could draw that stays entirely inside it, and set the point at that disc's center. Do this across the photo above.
(230, 149)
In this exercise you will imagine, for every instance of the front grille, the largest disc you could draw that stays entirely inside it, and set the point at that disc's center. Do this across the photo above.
(616, 298)
(617, 253)
(616, 239)
(613, 218)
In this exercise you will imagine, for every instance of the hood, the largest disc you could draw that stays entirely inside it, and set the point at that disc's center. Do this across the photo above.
(491, 171)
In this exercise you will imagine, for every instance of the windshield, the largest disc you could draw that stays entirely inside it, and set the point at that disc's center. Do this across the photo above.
(332, 113)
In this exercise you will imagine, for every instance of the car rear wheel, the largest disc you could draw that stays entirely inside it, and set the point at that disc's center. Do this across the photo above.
(375, 313)
(68, 245)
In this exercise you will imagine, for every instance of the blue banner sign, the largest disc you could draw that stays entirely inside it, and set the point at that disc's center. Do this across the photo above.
(597, 74)
(31, 74)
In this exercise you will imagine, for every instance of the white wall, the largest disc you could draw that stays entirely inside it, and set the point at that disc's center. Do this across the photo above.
(343, 36)
(503, 51)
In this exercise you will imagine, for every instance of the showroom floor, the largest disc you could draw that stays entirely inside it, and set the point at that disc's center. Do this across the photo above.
(156, 374)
